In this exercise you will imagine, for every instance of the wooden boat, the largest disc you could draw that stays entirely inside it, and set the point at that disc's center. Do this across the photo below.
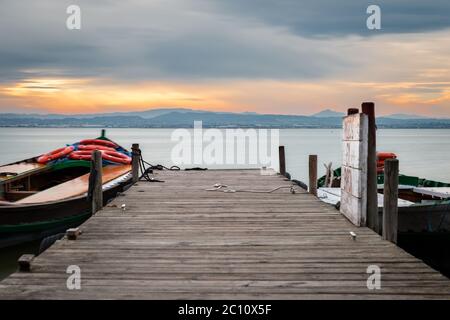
(41, 199)
(423, 206)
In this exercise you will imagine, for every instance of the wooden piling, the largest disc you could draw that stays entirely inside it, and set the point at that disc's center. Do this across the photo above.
(372, 190)
(313, 174)
(282, 160)
(135, 162)
(96, 182)
(390, 210)
(351, 111)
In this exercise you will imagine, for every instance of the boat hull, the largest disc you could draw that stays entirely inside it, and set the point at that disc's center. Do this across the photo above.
(35, 221)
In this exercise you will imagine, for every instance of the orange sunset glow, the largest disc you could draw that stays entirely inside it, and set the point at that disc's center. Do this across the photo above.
(92, 95)
(199, 60)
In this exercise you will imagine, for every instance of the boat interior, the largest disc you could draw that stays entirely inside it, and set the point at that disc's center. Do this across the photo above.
(24, 179)
(28, 182)
(411, 190)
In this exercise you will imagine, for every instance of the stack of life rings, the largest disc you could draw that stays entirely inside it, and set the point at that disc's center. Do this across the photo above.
(381, 156)
(84, 152)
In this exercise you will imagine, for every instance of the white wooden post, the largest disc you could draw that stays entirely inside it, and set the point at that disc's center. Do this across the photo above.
(354, 168)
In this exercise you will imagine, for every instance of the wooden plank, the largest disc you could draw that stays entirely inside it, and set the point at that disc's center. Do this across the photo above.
(74, 187)
(438, 192)
(178, 241)
(354, 169)
(20, 170)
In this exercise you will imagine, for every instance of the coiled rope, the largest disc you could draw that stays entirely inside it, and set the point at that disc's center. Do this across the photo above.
(224, 188)
(147, 168)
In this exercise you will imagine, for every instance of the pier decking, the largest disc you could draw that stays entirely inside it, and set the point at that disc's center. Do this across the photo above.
(176, 240)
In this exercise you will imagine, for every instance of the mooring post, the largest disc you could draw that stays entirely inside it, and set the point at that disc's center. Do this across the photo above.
(135, 158)
(282, 160)
(390, 209)
(372, 189)
(24, 262)
(96, 181)
(313, 174)
(73, 233)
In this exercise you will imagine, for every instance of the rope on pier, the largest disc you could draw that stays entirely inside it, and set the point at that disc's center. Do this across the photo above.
(226, 189)
(147, 168)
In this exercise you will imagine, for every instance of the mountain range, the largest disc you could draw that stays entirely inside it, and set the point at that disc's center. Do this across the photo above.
(184, 118)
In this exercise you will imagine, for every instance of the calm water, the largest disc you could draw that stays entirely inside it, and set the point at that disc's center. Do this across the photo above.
(424, 153)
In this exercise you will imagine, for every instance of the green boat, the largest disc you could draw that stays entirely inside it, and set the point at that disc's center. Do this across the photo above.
(39, 198)
(424, 205)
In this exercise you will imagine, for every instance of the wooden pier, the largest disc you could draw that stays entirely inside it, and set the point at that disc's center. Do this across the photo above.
(178, 240)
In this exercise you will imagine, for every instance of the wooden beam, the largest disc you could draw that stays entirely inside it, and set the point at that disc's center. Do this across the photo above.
(282, 160)
(353, 203)
(313, 174)
(372, 191)
(96, 181)
(136, 154)
(390, 209)
(25, 262)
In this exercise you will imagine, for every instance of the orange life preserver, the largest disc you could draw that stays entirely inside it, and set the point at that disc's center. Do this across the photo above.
(381, 156)
(116, 157)
(92, 147)
(81, 155)
(99, 142)
(55, 154)
(386, 155)
(112, 156)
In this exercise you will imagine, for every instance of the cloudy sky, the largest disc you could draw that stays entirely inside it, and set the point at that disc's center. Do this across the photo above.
(267, 56)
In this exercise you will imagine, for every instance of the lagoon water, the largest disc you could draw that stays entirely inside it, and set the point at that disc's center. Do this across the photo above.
(424, 153)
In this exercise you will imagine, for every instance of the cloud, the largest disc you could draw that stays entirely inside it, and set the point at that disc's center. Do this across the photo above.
(224, 43)
(187, 39)
(325, 18)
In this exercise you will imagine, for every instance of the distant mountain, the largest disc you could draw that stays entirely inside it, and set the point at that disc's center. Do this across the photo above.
(184, 118)
(146, 114)
(405, 116)
(328, 113)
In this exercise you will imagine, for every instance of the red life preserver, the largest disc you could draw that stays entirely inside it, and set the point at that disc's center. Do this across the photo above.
(112, 156)
(99, 142)
(116, 157)
(81, 155)
(55, 154)
(381, 156)
(386, 155)
(92, 147)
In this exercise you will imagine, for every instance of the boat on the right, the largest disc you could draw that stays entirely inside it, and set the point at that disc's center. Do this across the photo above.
(423, 204)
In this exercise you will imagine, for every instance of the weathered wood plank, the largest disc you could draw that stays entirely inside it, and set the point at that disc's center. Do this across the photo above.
(177, 240)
